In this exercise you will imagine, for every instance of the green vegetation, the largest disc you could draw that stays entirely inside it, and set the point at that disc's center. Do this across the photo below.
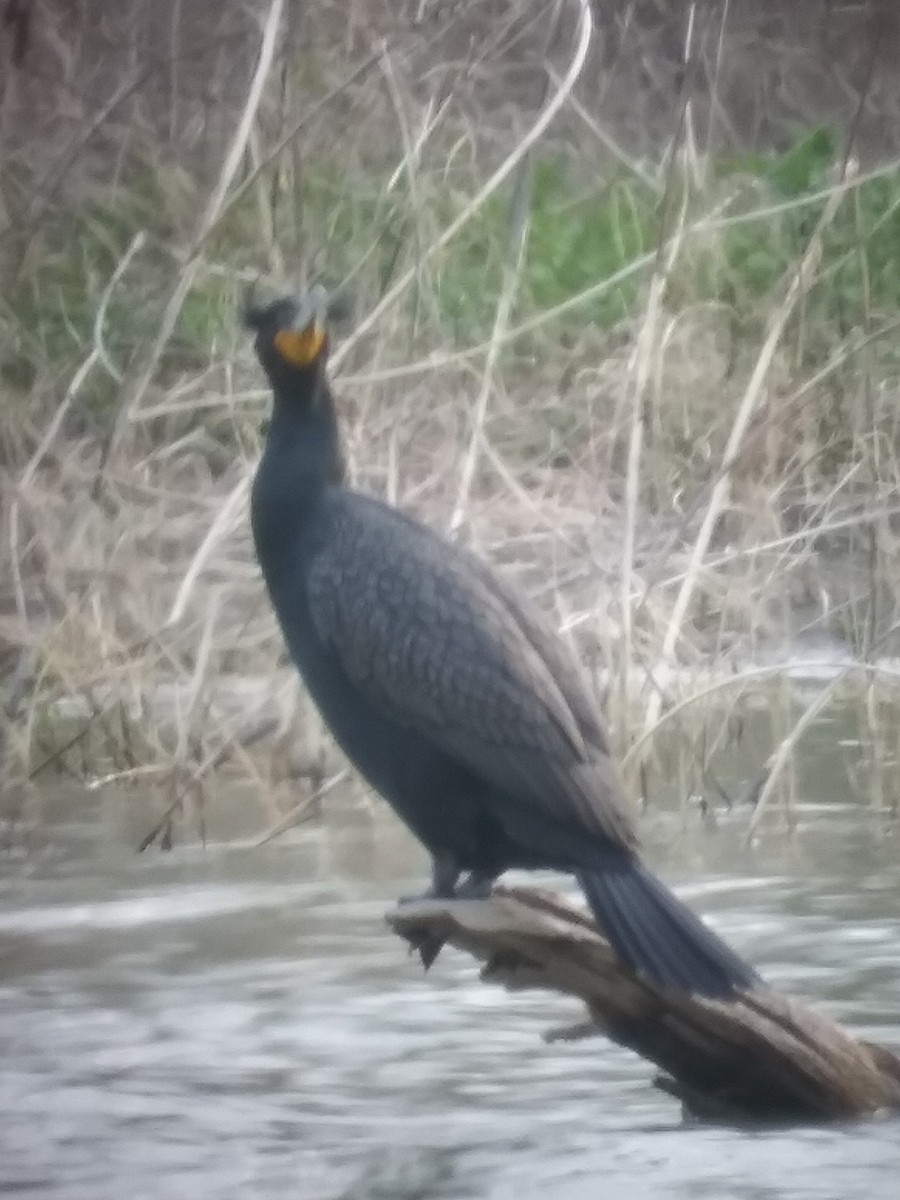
(579, 235)
(859, 275)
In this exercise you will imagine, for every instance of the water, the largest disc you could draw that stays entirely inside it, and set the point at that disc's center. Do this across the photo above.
(238, 1022)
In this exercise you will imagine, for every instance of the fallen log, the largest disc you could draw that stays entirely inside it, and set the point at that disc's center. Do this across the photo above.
(761, 1056)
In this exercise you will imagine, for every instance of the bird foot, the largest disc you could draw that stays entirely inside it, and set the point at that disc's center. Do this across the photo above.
(426, 944)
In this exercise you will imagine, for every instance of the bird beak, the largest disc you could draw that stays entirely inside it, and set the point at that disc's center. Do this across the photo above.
(302, 341)
(311, 309)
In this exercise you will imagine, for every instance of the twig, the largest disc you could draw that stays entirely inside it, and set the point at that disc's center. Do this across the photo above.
(301, 811)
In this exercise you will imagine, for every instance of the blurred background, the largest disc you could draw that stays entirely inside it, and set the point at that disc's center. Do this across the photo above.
(624, 283)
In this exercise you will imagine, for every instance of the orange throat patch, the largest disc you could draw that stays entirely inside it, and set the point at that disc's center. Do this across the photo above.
(300, 347)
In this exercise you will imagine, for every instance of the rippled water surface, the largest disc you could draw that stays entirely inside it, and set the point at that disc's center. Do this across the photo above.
(238, 1022)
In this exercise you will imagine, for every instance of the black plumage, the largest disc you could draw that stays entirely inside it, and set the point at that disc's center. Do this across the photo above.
(444, 687)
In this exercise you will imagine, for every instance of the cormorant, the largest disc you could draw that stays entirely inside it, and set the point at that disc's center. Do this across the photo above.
(444, 687)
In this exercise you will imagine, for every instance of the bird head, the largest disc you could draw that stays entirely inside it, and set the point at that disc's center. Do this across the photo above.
(292, 336)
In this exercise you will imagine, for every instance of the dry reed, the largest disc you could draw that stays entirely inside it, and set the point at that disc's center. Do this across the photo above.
(672, 499)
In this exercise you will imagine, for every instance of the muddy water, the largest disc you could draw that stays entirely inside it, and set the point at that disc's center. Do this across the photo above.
(237, 1022)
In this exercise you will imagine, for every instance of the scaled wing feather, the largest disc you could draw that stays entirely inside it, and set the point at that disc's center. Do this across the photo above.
(451, 653)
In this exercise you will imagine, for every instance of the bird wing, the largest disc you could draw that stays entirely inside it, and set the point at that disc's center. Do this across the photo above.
(429, 635)
(553, 650)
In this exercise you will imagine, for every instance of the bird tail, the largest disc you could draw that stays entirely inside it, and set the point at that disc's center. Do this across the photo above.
(659, 936)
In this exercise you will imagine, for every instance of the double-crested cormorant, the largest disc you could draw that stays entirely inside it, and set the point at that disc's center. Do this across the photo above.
(444, 686)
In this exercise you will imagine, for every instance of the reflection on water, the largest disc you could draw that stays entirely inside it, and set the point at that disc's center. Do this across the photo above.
(237, 1022)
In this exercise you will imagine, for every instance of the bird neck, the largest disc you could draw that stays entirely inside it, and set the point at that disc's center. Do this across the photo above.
(304, 444)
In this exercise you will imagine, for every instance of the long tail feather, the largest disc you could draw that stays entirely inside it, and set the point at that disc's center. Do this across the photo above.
(658, 935)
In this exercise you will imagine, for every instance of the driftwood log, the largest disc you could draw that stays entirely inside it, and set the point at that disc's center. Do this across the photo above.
(761, 1056)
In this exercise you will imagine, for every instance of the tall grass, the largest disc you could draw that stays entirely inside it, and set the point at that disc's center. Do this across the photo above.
(660, 395)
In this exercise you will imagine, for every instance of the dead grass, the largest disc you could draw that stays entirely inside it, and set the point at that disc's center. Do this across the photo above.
(683, 495)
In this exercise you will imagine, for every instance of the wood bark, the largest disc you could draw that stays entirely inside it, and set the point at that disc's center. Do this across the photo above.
(760, 1056)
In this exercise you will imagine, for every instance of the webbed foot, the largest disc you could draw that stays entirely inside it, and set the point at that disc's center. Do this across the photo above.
(476, 886)
(444, 875)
